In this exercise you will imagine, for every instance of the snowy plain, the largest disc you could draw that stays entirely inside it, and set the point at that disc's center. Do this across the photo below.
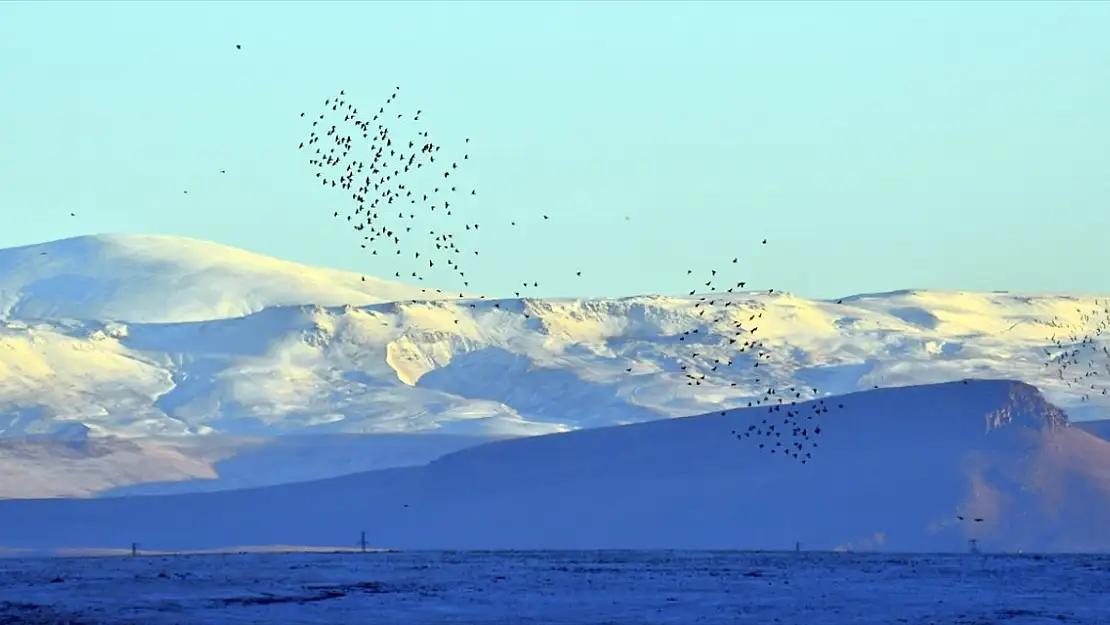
(559, 588)
(183, 359)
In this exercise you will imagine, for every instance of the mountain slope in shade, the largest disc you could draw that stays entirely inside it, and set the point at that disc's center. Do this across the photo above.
(151, 279)
(896, 469)
(108, 466)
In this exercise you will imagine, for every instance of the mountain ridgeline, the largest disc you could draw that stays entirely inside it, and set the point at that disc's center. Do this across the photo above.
(143, 365)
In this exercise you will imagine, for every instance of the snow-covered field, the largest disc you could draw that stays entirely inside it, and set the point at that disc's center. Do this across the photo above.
(559, 588)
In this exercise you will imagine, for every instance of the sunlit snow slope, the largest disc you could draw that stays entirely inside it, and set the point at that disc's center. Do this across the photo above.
(139, 336)
(409, 367)
(896, 469)
(140, 278)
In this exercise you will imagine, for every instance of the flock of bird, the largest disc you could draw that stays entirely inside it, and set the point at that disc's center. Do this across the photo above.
(1079, 357)
(403, 199)
(801, 425)
(408, 203)
(712, 352)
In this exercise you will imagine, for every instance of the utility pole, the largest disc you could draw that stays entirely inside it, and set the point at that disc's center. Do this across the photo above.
(362, 541)
(134, 549)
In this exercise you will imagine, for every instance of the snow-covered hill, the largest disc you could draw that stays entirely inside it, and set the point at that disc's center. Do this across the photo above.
(139, 278)
(139, 336)
(897, 469)
(508, 367)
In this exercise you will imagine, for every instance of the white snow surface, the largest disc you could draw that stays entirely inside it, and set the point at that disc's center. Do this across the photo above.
(905, 469)
(149, 336)
(152, 337)
(559, 588)
(152, 279)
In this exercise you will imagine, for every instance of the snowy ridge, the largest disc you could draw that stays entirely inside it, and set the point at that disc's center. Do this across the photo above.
(146, 278)
(907, 469)
(137, 337)
(482, 367)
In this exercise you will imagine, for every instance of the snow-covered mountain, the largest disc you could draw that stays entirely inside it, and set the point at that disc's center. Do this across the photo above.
(153, 279)
(916, 468)
(511, 367)
(140, 336)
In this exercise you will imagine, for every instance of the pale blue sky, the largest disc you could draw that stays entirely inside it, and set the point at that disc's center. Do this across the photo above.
(877, 145)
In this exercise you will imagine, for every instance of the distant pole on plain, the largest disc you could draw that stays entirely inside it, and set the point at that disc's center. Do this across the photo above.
(362, 541)
(797, 546)
(134, 549)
